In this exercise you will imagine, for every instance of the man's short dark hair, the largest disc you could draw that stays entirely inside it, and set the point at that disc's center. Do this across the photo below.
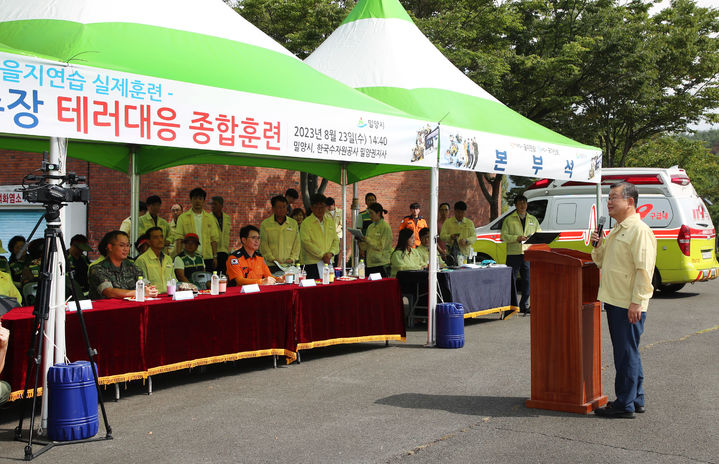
(291, 193)
(460, 206)
(318, 198)
(78, 238)
(112, 236)
(152, 229)
(520, 198)
(153, 200)
(329, 201)
(278, 199)
(197, 192)
(629, 190)
(414, 206)
(423, 231)
(219, 200)
(369, 194)
(245, 231)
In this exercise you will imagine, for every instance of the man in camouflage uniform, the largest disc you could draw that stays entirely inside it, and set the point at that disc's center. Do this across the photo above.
(115, 276)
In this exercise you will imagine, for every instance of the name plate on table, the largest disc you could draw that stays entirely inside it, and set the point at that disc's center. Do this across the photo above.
(84, 304)
(307, 283)
(375, 276)
(251, 288)
(183, 295)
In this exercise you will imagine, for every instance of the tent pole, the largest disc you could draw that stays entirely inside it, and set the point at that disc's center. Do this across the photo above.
(433, 232)
(54, 336)
(355, 216)
(134, 196)
(343, 252)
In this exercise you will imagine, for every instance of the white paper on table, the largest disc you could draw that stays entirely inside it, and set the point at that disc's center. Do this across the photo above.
(375, 276)
(84, 304)
(183, 295)
(308, 283)
(250, 288)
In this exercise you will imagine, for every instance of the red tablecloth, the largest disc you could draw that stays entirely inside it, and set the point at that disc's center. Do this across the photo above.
(212, 329)
(136, 340)
(116, 329)
(349, 312)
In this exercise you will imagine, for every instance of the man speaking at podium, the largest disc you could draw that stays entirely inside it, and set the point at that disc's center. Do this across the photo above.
(626, 260)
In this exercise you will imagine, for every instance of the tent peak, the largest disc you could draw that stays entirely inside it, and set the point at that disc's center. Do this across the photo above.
(380, 9)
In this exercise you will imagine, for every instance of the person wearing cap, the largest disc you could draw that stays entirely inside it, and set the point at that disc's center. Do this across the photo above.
(318, 239)
(153, 219)
(4, 264)
(414, 222)
(246, 265)
(156, 266)
(377, 243)
(126, 225)
(202, 223)
(78, 261)
(224, 224)
(279, 236)
(141, 244)
(459, 230)
(188, 261)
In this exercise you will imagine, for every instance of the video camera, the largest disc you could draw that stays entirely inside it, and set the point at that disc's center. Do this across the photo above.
(37, 189)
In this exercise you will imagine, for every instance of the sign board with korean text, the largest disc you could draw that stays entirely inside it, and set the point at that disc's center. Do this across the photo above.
(45, 98)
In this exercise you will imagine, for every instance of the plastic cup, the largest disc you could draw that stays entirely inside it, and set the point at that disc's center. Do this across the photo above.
(223, 284)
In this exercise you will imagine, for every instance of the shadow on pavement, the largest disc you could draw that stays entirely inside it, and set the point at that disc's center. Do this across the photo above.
(497, 406)
(674, 296)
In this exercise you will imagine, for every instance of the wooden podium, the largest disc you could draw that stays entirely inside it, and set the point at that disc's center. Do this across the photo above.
(565, 331)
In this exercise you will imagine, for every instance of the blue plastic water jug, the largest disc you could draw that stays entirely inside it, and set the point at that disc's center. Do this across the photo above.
(450, 325)
(72, 404)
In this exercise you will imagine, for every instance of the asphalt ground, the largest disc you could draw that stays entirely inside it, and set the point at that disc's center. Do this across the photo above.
(404, 403)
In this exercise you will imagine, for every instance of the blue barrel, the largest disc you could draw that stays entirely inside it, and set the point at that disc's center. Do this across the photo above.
(450, 325)
(72, 404)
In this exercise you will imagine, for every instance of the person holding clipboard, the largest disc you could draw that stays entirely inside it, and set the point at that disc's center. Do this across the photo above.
(516, 229)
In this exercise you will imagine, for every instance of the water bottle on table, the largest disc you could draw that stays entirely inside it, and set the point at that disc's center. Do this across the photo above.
(326, 275)
(360, 269)
(140, 289)
(215, 284)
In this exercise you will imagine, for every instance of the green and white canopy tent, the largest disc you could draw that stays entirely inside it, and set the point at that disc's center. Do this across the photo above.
(163, 83)
(381, 52)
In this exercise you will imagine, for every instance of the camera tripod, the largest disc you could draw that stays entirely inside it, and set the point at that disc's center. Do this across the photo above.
(53, 236)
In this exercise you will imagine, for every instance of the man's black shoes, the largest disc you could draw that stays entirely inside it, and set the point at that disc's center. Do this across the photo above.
(611, 413)
(637, 409)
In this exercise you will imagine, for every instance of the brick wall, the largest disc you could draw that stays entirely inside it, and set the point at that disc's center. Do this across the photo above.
(246, 191)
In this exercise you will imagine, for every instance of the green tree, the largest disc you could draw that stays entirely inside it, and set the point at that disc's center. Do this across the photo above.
(298, 25)
(609, 74)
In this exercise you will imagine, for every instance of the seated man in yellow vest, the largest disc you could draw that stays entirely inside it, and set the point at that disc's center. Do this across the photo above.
(8, 288)
(154, 265)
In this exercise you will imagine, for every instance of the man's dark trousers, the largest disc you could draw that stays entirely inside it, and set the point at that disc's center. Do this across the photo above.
(520, 266)
(628, 383)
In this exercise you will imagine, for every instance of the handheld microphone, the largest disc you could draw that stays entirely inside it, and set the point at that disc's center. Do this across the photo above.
(600, 228)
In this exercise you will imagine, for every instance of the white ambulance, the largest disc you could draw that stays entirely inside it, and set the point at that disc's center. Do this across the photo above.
(668, 203)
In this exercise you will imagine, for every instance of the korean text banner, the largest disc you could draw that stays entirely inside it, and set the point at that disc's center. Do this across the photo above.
(485, 152)
(46, 98)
